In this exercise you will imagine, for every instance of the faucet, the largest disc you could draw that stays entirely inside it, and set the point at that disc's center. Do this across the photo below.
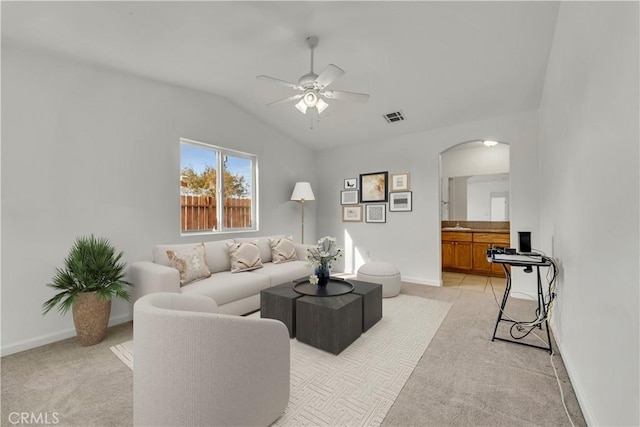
(458, 224)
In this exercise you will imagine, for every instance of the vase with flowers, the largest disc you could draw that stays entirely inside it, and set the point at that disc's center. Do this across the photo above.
(322, 256)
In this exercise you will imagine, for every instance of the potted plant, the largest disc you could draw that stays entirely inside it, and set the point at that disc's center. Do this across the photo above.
(91, 277)
(322, 256)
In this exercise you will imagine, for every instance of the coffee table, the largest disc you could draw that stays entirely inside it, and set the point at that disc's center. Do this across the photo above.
(330, 323)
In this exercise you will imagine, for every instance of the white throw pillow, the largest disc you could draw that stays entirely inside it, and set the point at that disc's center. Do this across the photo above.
(191, 264)
(282, 249)
(244, 256)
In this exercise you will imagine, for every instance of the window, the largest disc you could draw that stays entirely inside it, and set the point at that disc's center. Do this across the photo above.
(217, 188)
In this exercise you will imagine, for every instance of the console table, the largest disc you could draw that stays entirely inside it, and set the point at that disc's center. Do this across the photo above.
(527, 261)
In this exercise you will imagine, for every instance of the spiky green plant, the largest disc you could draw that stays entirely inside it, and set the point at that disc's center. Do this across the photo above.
(91, 266)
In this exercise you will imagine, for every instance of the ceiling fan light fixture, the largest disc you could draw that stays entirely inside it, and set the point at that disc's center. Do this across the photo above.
(310, 98)
(312, 87)
(321, 106)
(301, 106)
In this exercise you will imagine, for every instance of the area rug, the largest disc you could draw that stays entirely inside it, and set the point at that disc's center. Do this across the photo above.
(358, 386)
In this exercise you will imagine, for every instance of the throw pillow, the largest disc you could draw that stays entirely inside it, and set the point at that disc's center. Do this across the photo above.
(244, 256)
(191, 264)
(282, 249)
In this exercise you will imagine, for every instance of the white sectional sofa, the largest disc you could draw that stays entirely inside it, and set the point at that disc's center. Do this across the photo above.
(234, 293)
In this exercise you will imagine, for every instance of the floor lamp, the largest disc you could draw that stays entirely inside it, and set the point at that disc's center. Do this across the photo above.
(301, 193)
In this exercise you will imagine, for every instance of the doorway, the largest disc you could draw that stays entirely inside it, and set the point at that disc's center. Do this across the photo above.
(474, 210)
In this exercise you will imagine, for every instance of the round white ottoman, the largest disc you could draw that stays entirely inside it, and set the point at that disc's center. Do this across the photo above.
(383, 273)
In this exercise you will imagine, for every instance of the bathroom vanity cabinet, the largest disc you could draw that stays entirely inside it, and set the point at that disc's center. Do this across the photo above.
(457, 251)
(466, 251)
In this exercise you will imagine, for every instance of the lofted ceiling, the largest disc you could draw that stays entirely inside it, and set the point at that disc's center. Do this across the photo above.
(440, 63)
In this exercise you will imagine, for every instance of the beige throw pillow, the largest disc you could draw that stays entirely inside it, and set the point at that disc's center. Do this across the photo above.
(282, 249)
(191, 264)
(244, 256)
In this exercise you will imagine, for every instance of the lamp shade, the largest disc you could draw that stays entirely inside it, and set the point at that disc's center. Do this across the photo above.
(302, 191)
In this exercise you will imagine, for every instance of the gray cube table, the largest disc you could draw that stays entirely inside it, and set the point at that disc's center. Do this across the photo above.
(279, 303)
(330, 323)
(371, 302)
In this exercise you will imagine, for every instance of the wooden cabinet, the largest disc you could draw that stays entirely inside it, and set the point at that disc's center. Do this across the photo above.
(482, 242)
(456, 251)
(480, 263)
(467, 252)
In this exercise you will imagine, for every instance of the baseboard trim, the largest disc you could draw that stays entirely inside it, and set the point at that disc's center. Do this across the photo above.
(54, 337)
(587, 413)
(421, 281)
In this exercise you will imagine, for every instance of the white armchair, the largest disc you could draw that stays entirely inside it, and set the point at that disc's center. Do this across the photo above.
(195, 367)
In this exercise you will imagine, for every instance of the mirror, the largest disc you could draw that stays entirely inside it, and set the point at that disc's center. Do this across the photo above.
(475, 182)
(476, 197)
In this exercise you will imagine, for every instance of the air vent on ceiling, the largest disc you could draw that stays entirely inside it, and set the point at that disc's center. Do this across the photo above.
(396, 116)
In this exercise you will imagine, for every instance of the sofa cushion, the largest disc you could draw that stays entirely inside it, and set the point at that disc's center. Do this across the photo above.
(216, 254)
(263, 244)
(226, 287)
(244, 256)
(190, 263)
(284, 273)
(282, 249)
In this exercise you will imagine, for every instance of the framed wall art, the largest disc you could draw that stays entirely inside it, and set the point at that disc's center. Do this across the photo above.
(376, 213)
(374, 187)
(352, 213)
(400, 182)
(350, 183)
(349, 197)
(400, 201)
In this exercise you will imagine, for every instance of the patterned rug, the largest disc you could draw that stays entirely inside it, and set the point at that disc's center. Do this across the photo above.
(358, 386)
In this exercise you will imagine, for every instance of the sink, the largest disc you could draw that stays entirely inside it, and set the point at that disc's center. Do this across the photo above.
(456, 229)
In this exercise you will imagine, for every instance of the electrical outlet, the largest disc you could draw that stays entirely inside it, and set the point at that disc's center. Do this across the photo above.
(368, 255)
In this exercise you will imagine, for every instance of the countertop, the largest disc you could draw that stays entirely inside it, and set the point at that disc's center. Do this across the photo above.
(475, 230)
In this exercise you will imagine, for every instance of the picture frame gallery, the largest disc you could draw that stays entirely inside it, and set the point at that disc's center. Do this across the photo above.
(366, 198)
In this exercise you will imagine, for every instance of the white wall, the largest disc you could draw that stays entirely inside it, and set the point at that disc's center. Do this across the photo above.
(411, 240)
(476, 161)
(90, 150)
(589, 202)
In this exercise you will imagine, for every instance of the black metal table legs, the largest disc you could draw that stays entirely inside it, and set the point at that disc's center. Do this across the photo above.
(541, 313)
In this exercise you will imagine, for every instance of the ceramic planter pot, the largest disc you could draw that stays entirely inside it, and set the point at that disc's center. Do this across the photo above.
(91, 317)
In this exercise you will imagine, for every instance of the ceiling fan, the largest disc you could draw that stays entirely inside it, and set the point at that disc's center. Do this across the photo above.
(313, 87)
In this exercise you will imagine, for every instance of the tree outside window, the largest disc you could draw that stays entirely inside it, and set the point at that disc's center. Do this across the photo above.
(204, 205)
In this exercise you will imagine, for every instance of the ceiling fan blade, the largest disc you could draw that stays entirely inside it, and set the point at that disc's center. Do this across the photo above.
(280, 82)
(328, 76)
(285, 100)
(351, 96)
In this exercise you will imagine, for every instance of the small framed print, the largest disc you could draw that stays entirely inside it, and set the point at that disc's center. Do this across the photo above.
(400, 182)
(351, 183)
(352, 213)
(349, 197)
(400, 201)
(376, 213)
(374, 187)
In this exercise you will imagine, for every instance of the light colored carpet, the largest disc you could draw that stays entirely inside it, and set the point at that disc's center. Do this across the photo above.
(358, 386)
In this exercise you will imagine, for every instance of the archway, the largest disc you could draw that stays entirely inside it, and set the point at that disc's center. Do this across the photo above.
(474, 212)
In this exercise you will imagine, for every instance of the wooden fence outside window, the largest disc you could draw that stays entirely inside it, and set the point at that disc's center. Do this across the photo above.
(198, 213)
